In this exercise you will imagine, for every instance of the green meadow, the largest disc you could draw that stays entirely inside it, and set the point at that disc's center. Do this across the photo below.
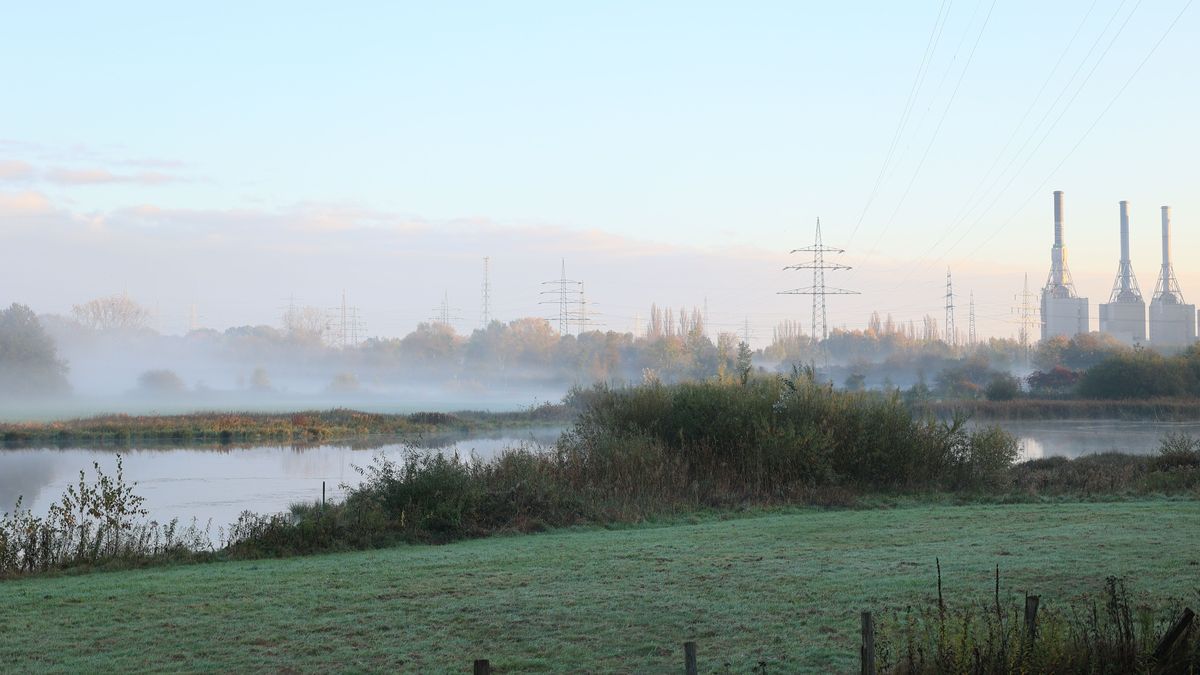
(782, 588)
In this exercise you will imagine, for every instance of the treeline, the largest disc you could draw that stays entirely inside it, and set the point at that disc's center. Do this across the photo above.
(108, 340)
(1144, 374)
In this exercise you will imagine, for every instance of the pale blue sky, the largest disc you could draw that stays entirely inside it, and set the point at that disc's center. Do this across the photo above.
(702, 138)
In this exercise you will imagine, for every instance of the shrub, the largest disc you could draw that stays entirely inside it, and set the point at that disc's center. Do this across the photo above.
(1003, 387)
(93, 522)
(161, 382)
(1178, 451)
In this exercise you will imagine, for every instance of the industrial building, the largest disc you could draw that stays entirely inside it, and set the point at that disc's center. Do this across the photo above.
(1063, 312)
(1124, 315)
(1172, 322)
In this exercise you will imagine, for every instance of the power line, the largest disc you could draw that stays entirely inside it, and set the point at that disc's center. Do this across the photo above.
(926, 58)
(1034, 132)
(938, 128)
(1089, 130)
(976, 196)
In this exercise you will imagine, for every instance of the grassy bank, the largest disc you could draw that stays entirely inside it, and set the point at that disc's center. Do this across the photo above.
(231, 427)
(783, 589)
(1161, 409)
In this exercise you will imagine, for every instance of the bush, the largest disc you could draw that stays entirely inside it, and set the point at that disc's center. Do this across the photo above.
(93, 523)
(160, 382)
(1178, 451)
(1139, 374)
(1003, 387)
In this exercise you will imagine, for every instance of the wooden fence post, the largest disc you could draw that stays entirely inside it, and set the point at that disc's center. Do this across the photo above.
(867, 650)
(1168, 641)
(689, 658)
(483, 667)
(1031, 609)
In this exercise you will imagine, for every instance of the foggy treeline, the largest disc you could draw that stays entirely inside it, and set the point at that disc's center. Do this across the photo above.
(105, 351)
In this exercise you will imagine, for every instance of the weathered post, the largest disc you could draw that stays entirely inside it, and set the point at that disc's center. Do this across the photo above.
(483, 667)
(689, 658)
(1167, 643)
(1031, 609)
(322, 496)
(868, 644)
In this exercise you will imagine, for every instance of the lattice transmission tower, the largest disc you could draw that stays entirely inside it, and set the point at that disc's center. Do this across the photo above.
(570, 300)
(343, 324)
(951, 331)
(487, 292)
(818, 290)
(971, 337)
(445, 314)
(1025, 315)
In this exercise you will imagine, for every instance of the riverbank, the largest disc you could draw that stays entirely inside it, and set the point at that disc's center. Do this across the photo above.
(1161, 409)
(236, 427)
(783, 588)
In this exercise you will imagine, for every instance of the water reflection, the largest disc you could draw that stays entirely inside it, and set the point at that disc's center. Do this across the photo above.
(217, 484)
(1072, 438)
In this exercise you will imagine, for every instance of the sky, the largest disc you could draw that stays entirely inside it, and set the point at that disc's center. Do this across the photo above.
(235, 157)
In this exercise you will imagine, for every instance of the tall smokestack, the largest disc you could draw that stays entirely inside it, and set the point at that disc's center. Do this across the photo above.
(1058, 254)
(1125, 232)
(1058, 218)
(1166, 237)
(1168, 287)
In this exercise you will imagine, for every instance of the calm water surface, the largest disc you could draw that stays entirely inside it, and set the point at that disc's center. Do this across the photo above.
(220, 483)
(1072, 438)
(217, 484)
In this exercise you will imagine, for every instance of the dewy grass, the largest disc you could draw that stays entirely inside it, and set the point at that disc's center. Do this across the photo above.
(782, 589)
(642, 453)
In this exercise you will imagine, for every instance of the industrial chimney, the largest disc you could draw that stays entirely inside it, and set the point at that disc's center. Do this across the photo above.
(1167, 290)
(1124, 315)
(1058, 254)
(1125, 239)
(1172, 323)
(1062, 312)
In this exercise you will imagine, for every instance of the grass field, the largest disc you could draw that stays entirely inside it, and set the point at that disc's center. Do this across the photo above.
(782, 588)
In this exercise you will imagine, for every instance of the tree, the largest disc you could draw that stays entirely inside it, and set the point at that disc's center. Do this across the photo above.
(259, 380)
(29, 363)
(160, 382)
(115, 312)
(1003, 387)
(745, 361)
(855, 381)
(343, 383)
(1058, 381)
(304, 324)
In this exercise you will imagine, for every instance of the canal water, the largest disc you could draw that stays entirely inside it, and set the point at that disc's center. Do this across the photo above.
(215, 484)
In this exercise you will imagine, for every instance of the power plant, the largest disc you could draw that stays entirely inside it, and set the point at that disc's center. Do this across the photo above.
(1172, 321)
(1063, 312)
(1124, 315)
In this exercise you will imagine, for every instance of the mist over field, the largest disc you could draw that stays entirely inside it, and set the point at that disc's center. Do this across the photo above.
(104, 358)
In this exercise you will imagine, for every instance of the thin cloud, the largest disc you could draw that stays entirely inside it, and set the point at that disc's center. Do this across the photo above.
(63, 176)
(24, 203)
(14, 171)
